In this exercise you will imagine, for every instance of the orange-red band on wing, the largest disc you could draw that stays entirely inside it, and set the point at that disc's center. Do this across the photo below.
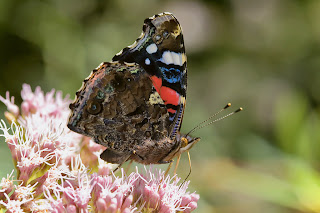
(168, 95)
(172, 110)
(157, 83)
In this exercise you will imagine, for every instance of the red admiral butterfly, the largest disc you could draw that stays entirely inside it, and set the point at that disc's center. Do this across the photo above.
(134, 105)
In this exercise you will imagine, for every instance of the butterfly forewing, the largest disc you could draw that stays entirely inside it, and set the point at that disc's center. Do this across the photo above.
(160, 51)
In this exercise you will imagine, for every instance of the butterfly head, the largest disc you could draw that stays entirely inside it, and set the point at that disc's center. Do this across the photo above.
(184, 144)
(187, 142)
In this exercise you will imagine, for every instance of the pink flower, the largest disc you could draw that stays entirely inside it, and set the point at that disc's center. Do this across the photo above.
(23, 192)
(78, 192)
(9, 102)
(53, 197)
(40, 206)
(13, 206)
(165, 194)
(46, 104)
(6, 185)
(60, 171)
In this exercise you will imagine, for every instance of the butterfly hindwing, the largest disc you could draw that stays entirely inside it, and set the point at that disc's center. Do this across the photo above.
(120, 109)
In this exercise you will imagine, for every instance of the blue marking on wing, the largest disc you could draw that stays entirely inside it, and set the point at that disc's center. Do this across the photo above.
(171, 75)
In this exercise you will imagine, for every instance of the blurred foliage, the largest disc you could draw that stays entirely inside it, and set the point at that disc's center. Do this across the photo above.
(261, 55)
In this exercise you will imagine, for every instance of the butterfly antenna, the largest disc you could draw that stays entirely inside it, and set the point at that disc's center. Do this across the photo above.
(215, 114)
(199, 126)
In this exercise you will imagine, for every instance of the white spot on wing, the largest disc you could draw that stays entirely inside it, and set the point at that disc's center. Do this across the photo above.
(180, 58)
(172, 58)
(175, 57)
(152, 48)
(166, 58)
(147, 61)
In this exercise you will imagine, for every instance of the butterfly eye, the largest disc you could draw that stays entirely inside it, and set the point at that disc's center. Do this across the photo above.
(165, 34)
(94, 107)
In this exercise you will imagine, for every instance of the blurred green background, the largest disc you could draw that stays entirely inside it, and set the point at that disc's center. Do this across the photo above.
(261, 55)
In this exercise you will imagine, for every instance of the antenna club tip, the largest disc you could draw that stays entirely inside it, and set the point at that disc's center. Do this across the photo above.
(238, 110)
(228, 105)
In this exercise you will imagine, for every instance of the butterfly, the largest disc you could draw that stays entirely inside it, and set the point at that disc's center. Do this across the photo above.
(134, 105)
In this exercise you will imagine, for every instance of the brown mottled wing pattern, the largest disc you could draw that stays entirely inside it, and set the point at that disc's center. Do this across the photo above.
(119, 108)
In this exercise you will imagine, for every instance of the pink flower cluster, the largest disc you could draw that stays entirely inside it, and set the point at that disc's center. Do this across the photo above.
(58, 170)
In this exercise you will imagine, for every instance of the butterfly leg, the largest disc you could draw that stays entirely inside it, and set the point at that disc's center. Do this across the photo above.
(164, 162)
(176, 167)
(168, 169)
(189, 171)
(189, 165)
